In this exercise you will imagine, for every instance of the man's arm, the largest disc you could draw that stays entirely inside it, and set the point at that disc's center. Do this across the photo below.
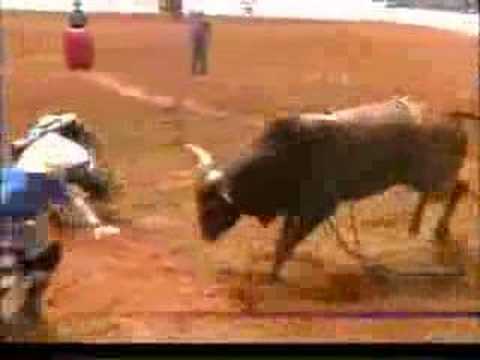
(61, 193)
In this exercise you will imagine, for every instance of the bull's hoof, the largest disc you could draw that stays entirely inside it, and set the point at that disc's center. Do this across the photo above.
(441, 233)
(356, 244)
(413, 230)
(380, 274)
(377, 270)
(276, 278)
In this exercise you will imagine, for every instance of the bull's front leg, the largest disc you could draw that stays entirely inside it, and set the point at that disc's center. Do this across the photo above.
(295, 228)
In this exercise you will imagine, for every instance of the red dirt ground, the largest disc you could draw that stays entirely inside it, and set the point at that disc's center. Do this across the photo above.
(158, 281)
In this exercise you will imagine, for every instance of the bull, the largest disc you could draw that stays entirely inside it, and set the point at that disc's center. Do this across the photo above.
(302, 170)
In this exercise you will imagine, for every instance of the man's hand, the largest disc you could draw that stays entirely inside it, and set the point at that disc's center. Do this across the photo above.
(105, 230)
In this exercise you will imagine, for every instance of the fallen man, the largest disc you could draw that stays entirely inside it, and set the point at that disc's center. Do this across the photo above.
(62, 141)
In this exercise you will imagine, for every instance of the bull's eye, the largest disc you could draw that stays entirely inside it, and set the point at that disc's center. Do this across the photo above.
(209, 212)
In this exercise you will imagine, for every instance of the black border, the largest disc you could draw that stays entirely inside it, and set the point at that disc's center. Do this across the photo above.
(85, 351)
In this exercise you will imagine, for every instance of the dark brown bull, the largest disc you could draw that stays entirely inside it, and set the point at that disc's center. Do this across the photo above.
(302, 170)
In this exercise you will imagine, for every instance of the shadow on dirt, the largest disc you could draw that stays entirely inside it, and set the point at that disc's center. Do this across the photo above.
(310, 287)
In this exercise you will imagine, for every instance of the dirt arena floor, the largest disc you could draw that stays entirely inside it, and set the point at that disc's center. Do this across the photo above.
(158, 281)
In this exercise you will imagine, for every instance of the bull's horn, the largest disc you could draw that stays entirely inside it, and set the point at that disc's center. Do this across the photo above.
(205, 159)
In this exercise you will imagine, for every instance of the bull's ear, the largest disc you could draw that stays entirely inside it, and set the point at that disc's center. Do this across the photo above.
(279, 120)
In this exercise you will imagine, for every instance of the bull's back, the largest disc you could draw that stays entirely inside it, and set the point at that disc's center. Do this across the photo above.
(396, 110)
(378, 156)
(299, 168)
(350, 161)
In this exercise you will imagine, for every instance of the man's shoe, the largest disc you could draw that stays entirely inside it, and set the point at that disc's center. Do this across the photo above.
(47, 260)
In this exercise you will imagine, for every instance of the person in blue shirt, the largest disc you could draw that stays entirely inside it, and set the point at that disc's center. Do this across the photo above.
(23, 197)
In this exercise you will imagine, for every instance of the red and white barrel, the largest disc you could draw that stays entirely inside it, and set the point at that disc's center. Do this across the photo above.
(78, 48)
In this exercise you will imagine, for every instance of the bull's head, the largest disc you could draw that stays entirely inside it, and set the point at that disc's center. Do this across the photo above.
(216, 209)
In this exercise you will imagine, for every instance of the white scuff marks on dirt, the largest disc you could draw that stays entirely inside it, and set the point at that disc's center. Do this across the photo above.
(165, 102)
(341, 78)
(198, 108)
(156, 222)
(109, 82)
(176, 180)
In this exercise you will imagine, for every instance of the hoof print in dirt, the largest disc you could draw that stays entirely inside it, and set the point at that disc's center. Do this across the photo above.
(378, 270)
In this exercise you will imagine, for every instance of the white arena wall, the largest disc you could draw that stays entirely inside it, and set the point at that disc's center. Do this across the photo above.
(342, 10)
(313, 9)
(111, 6)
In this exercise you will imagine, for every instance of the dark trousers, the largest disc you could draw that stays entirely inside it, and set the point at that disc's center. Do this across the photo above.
(199, 59)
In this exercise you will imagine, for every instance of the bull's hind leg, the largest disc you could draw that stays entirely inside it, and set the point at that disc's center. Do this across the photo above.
(294, 229)
(442, 229)
(414, 227)
(353, 225)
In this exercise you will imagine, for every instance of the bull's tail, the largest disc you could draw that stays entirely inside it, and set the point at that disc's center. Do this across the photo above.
(467, 123)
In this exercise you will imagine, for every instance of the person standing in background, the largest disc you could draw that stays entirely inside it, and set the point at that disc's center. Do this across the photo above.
(200, 33)
(470, 6)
